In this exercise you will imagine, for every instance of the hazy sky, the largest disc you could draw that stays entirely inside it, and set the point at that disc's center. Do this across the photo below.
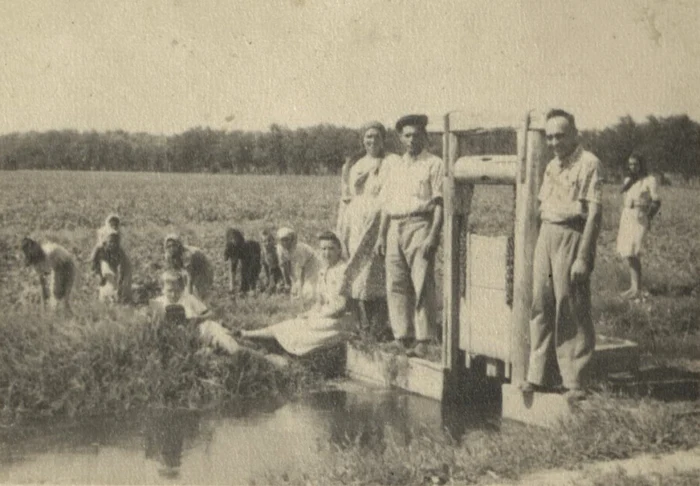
(163, 67)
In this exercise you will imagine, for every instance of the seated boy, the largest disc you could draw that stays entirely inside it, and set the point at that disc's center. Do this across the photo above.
(184, 308)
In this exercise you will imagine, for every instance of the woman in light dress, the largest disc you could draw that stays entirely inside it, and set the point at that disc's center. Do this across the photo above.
(641, 202)
(358, 228)
(328, 323)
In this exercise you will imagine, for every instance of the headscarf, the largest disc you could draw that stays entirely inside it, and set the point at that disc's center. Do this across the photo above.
(373, 124)
(285, 233)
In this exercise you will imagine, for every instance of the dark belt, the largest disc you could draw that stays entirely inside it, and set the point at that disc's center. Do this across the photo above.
(576, 224)
(422, 215)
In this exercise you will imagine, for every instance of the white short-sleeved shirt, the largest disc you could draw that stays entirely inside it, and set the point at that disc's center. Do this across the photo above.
(413, 184)
(303, 255)
(568, 184)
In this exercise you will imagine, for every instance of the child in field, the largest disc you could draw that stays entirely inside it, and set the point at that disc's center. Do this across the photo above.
(181, 307)
(112, 223)
(56, 262)
(299, 264)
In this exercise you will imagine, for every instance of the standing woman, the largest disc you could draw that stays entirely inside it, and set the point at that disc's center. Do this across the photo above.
(640, 204)
(56, 262)
(365, 279)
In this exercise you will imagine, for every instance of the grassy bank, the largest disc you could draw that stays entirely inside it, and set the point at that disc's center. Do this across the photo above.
(110, 360)
(609, 428)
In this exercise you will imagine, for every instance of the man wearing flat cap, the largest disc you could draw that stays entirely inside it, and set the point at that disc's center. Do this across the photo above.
(411, 202)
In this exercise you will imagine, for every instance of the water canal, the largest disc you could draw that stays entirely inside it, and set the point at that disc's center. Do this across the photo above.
(238, 446)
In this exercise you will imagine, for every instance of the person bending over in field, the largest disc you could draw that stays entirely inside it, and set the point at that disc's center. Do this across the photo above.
(248, 253)
(111, 223)
(328, 323)
(112, 266)
(53, 263)
(193, 262)
(640, 204)
(270, 263)
(299, 264)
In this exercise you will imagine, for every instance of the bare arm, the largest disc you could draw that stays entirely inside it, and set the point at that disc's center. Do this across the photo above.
(584, 258)
(232, 265)
(380, 246)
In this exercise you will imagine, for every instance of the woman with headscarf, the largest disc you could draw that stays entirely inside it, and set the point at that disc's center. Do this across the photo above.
(193, 262)
(358, 228)
(299, 264)
(641, 202)
(113, 266)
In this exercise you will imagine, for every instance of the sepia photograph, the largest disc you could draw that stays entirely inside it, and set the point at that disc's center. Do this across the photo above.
(350, 242)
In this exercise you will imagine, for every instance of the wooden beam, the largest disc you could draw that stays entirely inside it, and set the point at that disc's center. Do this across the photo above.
(526, 232)
(451, 293)
(487, 169)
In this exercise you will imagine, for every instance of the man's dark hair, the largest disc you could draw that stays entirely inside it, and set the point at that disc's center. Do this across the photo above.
(330, 236)
(558, 112)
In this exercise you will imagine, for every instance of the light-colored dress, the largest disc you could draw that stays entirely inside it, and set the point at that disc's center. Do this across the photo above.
(302, 261)
(301, 336)
(358, 229)
(634, 220)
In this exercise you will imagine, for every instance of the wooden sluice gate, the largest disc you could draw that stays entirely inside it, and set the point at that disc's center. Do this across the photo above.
(487, 288)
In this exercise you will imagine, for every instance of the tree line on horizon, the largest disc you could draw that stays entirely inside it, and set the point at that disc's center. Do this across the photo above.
(671, 145)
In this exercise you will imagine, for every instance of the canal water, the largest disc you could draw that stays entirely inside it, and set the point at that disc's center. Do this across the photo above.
(238, 446)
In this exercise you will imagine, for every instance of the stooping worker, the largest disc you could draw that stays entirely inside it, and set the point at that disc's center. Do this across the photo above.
(561, 326)
(193, 262)
(299, 264)
(641, 202)
(177, 304)
(365, 277)
(328, 322)
(111, 263)
(52, 260)
(409, 235)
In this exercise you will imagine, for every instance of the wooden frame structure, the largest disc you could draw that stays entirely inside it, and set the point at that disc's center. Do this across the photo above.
(463, 337)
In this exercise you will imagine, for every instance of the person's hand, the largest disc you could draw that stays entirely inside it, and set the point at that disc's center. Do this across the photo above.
(428, 248)
(579, 271)
(380, 247)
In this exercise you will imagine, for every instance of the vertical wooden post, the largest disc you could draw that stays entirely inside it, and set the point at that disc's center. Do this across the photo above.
(450, 270)
(533, 155)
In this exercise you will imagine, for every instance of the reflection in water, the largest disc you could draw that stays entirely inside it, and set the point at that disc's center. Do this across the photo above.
(246, 442)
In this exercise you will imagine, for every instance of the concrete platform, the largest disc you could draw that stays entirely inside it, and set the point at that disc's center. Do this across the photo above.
(544, 409)
(411, 374)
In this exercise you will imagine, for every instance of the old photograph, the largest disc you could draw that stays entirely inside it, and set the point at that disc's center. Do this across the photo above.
(368, 242)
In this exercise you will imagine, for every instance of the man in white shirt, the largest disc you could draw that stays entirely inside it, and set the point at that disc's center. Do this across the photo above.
(412, 217)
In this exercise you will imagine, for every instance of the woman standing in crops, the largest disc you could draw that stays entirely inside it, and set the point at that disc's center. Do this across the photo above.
(641, 202)
(55, 261)
(358, 228)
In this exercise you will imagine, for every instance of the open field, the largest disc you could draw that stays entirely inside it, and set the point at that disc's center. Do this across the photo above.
(103, 359)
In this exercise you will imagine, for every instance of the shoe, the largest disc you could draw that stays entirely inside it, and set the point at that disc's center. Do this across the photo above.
(575, 394)
(528, 388)
(420, 350)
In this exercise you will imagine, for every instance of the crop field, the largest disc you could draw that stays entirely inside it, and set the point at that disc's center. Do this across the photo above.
(67, 207)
